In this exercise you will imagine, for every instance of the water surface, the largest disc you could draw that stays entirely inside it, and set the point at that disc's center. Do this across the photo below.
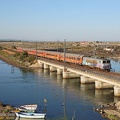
(65, 97)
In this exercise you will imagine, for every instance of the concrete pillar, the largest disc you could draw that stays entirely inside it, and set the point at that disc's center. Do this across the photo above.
(59, 71)
(102, 85)
(86, 80)
(53, 69)
(116, 91)
(70, 75)
(46, 66)
(40, 64)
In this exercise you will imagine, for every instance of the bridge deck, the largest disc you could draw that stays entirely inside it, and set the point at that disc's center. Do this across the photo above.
(109, 77)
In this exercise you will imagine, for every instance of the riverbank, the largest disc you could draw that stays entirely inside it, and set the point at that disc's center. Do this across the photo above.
(10, 61)
(18, 60)
(7, 111)
(36, 65)
(109, 111)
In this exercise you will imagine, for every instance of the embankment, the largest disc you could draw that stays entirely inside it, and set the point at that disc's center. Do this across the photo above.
(7, 60)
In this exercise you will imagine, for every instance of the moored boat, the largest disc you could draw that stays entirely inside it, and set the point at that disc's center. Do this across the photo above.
(18, 118)
(30, 115)
(26, 108)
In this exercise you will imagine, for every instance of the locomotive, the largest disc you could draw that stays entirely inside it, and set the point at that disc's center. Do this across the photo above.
(94, 62)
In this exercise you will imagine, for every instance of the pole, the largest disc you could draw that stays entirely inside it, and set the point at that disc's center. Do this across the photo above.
(36, 50)
(94, 49)
(64, 53)
(57, 45)
(22, 46)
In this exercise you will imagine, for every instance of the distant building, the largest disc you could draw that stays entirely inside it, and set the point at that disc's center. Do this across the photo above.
(84, 43)
(109, 49)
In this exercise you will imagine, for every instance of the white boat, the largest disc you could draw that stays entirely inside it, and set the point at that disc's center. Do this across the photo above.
(30, 115)
(31, 107)
(18, 118)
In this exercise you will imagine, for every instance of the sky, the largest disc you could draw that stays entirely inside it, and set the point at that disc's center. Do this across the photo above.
(56, 20)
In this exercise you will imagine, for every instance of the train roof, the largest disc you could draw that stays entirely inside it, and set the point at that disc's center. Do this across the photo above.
(62, 53)
(98, 58)
(68, 54)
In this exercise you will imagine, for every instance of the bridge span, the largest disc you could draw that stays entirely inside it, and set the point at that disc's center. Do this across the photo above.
(102, 80)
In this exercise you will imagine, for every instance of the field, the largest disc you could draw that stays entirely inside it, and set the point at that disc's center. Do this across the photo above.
(85, 48)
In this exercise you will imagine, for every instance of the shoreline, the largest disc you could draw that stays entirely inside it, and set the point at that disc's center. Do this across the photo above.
(110, 111)
(33, 66)
(7, 111)
(9, 61)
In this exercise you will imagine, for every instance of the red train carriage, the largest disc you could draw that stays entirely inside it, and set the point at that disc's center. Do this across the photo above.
(71, 58)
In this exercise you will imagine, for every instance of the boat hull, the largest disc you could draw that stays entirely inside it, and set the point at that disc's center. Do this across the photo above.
(30, 115)
(28, 108)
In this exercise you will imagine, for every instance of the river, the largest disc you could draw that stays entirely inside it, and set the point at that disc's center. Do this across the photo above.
(115, 65)
(65, 97)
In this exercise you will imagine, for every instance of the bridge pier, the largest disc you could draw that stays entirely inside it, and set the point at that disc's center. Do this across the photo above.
(40, 64)
(101, 82)
(46, 66)
(102, 85)
(59, 71)
(84, 80)
(116, 91)
(53, 69)
(67, 74)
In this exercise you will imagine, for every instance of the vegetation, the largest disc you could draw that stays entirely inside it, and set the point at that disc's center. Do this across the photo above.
(24, 58)
(13, 47)
(89, 49)
(1, 48)
(18, 59)
(5, 108)
(113, 117)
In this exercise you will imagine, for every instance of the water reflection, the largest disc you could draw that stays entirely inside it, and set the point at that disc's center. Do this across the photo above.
(64, 95)
(115, 65)
(84, 91)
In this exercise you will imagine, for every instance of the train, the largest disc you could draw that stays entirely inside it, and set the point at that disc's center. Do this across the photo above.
(92, 62)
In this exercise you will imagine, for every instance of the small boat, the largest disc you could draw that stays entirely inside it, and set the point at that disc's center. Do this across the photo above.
(18, 118)
(25, 108)
(30, 115)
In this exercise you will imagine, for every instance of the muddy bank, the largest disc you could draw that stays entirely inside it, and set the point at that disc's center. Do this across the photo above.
(109, 111)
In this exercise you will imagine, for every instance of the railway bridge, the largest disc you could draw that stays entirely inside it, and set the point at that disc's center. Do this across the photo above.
(102, 79)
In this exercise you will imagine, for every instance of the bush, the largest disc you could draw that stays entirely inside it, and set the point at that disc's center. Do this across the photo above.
(16, 54)
(113, 117)
(1, 48)
(6, 110)
(25, 53)
(21, 57)
(13, 47)
(31, 58)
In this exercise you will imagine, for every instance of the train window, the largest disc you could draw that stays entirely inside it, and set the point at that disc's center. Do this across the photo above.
(108, 61)
(104, 61)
